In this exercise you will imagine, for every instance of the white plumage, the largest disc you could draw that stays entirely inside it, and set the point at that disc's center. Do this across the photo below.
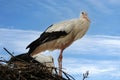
(45, 60)
(60, 36)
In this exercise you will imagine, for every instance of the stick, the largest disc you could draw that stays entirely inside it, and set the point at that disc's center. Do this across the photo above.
(8, 52)
(85, 75)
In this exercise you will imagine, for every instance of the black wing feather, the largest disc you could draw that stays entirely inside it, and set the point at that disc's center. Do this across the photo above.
(45, 37)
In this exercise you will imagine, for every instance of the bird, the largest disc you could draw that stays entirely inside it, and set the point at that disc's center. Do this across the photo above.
(46, 60)
(60, 36)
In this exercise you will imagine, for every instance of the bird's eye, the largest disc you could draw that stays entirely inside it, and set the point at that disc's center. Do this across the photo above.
(82, 12)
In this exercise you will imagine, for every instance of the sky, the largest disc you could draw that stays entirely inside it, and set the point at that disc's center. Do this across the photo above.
(22, 21)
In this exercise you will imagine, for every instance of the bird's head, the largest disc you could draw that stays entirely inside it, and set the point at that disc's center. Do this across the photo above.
(84, 15)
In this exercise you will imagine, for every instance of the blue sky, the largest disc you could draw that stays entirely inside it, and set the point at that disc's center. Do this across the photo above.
(22, 21)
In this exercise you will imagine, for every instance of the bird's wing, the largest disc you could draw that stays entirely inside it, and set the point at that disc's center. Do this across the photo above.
(66, 26)
(50, 35)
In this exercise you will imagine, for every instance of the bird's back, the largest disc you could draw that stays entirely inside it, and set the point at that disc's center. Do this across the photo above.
(61, 25)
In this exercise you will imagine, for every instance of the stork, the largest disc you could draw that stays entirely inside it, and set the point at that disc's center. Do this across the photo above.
(60, 36)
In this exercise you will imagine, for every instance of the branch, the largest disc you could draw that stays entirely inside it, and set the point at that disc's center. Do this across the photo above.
(8, 52)
(85, 75)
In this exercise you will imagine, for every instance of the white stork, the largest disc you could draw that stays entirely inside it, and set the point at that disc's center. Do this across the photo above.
(60, 36)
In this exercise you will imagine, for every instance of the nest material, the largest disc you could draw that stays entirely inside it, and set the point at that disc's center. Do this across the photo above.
(17, 68)
(29, 71)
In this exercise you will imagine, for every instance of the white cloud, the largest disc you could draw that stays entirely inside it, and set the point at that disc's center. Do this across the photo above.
(93, 70)
(96, 44)
(104, 69)
(75, 65)
(16, 40)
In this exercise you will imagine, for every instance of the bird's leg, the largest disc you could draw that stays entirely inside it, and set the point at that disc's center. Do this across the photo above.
(60, 62)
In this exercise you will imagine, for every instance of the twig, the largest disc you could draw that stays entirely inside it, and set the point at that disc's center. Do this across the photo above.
(13, 55)
(3, 61)
(68, 76)
(85, 75)
(8, 52)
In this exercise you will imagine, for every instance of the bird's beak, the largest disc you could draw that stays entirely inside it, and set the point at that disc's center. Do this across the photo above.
(86, 17)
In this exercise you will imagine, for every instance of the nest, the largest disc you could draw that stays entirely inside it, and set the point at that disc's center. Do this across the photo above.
(30, 71)
(24, 67)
